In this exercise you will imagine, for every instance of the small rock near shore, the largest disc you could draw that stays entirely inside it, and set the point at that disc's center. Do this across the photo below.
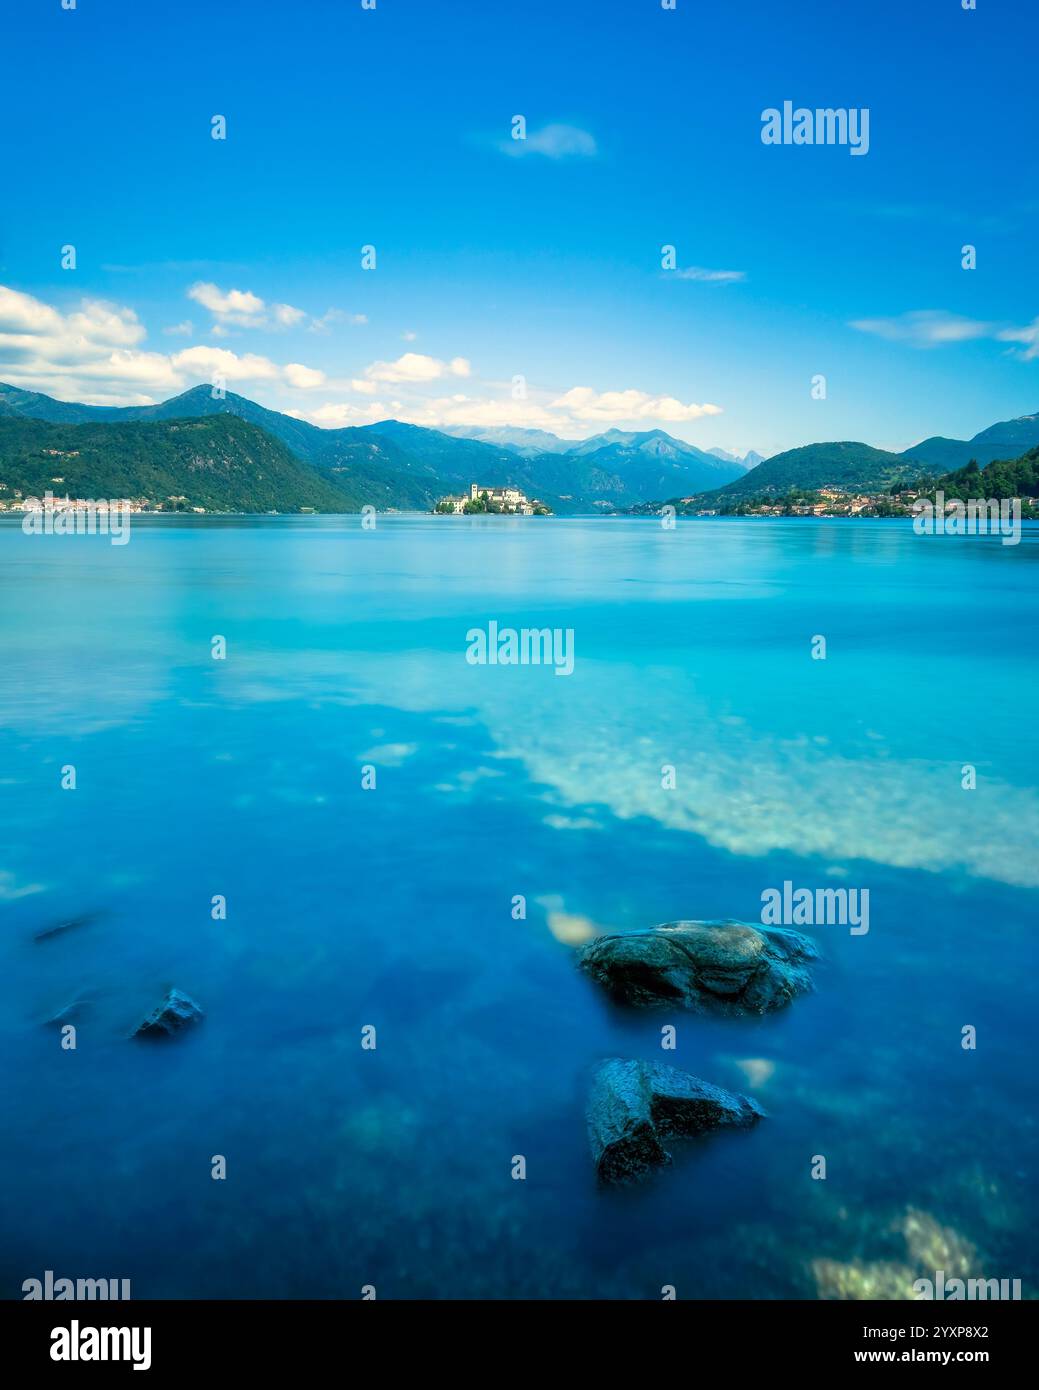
(175, 1012)
(634, 1106)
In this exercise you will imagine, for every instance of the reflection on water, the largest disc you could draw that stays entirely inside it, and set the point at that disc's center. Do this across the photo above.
(395, 907)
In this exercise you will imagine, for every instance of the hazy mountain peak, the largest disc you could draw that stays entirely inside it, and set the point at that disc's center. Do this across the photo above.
(1006, 439)
(750, 459)
(521, 440)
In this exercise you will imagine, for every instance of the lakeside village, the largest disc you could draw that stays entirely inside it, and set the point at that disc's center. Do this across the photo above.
(72, 507)
(499, 500)
(899, 501)
(824, 501)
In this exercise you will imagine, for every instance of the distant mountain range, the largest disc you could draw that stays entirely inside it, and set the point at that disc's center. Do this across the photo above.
(397, 465)
(749, 460)
(269, 461)
(520, 441)
(529, 443)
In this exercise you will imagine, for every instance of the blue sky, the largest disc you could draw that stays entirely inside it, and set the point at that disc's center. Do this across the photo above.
(541, 259)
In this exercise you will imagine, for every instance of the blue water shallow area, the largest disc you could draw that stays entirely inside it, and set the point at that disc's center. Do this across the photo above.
(392, 907)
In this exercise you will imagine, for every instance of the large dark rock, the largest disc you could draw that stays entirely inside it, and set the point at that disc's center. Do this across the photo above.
(175, 1012)
(716, 967)
(634, 1106)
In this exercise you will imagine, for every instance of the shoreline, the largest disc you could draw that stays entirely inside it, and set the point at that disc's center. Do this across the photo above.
(652, 518)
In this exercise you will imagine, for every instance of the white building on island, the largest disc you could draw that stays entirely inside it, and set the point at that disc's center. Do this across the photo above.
(498, 499)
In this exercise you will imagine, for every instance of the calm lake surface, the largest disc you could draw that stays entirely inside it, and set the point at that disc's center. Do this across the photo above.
(393, 907)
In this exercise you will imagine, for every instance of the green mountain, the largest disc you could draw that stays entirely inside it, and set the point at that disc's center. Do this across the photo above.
(1007, 440)
(443, 456)
(851, 467)
(1000, 478)
(221, 464)
(365, 466)
(360, 466)
(650, 463)
(14, 401)
(854, 467)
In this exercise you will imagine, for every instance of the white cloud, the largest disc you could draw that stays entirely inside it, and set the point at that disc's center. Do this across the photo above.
(714, 277)
(211, 362)
(304, 377)
(243, 309)
(29, 326)
(334, 316)
(330, 316)
(288, 316)
(94, 354)
(926, 328)
(408, 336)
(240, 307)
(434, 411)
(180, 330)
(569, 415)
(416, 367)
(91, 355)
(106, 323)
(554, 142)
(45, 350)
(334, 415)
(582, 403)
(466, 410)
(1029, 336)
(322, 324)
(147, 369)
(21, 313)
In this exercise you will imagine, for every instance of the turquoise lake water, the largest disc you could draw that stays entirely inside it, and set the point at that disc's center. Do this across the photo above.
(392, 907)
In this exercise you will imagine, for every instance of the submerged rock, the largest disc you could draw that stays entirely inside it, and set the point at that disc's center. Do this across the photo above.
(633, 1106)
(66, 924)
(717, 967)
(175, 1012)
(67, 1014)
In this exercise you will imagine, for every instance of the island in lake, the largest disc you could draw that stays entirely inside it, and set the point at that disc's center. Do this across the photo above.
(498, 500)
